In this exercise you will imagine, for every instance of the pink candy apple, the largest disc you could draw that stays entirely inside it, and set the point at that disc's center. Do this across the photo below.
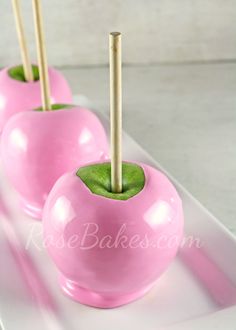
(110, 251)
(17, 95)
(37, 147)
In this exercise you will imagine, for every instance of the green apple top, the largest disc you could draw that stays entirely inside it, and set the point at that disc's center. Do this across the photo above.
(58, 106)
(17, 73)
(97, 178)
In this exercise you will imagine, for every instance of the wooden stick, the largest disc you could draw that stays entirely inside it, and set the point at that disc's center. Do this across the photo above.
(22, 41)
(116, 111)
(42, 58)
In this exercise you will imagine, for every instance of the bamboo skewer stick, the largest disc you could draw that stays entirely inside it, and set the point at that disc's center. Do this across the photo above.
(115, 111)
(42, 57)
(22, 41)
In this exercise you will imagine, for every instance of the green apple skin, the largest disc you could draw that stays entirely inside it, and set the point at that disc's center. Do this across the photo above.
(17, 73)
(97, 178)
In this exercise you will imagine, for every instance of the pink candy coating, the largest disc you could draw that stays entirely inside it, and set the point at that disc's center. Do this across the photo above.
(17, 96)
(37, 147)
(110, 252)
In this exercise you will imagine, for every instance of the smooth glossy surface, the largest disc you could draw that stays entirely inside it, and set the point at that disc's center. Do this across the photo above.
(17, 96)
(39, 146)
(181, 299)
(111, 252)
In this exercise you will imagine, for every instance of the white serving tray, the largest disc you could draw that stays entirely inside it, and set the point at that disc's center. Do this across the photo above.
(198, 291)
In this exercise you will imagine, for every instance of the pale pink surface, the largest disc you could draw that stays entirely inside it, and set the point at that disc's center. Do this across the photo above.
(29, 270)
(110, 276)
(37, 147)
(17, 96)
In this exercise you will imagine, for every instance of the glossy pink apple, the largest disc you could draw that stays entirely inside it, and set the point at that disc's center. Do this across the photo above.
(111, 248)
(39, 146)
(18, 95)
